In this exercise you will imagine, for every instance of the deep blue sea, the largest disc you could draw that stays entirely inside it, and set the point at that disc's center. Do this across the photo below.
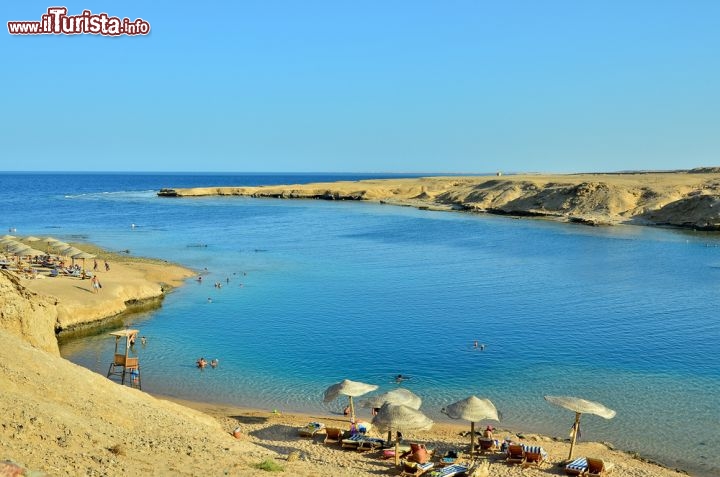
(316, 291)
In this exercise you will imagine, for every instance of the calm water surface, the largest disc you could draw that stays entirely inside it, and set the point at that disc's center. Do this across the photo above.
(315, 292)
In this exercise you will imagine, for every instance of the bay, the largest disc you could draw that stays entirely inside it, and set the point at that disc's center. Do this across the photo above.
(315, 291)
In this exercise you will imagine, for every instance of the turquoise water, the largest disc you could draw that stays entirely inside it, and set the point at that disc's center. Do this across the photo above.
(330, 290)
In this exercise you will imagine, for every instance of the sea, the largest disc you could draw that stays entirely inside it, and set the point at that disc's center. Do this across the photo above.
(314, 292)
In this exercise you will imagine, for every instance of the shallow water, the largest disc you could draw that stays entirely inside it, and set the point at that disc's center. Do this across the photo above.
(332, 290)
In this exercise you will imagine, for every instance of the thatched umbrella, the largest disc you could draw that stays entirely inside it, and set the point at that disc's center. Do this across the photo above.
(83, 256)
(400, 418)
(31, 238)
(472, 409)
(19, 249)
(350, 389)
(396, 396)
(69, 251)
(580, 406)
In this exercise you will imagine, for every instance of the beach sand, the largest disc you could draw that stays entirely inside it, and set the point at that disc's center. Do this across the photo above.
(62, 419)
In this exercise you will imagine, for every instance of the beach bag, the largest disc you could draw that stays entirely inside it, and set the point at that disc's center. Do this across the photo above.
(99, 285)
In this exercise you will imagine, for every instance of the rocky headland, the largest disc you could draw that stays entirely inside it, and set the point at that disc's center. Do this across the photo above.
(686, 199)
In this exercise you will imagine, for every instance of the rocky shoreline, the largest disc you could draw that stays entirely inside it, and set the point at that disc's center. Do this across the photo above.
(684, 199)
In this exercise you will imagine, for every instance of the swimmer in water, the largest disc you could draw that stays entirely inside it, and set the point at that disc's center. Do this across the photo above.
(214, 362)
(400, 378)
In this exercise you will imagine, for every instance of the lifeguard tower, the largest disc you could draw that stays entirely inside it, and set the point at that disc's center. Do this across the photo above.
(122, 363)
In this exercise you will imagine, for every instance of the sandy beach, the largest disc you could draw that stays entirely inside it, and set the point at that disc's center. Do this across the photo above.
(62, 419)
(686, 199)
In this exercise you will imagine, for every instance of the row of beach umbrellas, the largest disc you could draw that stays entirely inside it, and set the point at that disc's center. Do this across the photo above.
(399, 409)
(16, 246)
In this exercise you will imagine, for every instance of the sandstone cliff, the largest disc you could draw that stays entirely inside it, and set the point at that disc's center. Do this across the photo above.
(27, 315)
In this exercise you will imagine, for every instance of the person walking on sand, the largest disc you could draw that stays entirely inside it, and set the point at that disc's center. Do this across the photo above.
(107, 266)
(95, 284)
(95, 266)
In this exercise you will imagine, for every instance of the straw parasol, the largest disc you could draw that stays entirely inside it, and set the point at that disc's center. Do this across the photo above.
(396, 396)
(400, 418)
(472, 409)
(83, 256)
(579, 406)
(350, 389)
(32, 238)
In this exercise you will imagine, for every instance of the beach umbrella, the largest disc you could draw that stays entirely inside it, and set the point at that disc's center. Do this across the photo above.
(69, 251)
(8, 237)
(350, 389)
(400, 418)
(396, 396)
(6, 243)
(579, 406)
(19, 247)
(32, 239)
(83, 256)
(472, 409)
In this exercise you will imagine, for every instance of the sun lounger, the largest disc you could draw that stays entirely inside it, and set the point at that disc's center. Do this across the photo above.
(412, 468)
(362, 442)
(515, 454)
(534, 454)
(333, 435)
(450, 471)
(449, 458)
(598, 467)
(311, 429)
(487, 444)
(577, 467)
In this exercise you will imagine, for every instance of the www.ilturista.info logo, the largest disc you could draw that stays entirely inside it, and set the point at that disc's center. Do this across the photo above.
(57, 22)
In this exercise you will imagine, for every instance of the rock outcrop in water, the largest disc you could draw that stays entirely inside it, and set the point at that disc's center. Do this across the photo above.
(686, 199)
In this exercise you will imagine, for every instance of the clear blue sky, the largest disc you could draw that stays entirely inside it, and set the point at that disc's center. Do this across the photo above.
(387, 85)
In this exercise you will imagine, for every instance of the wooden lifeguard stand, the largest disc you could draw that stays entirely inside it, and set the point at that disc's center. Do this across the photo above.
(123, 364)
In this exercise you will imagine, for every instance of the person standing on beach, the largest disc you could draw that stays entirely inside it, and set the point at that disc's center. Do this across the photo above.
(95, 265)
(107, 266)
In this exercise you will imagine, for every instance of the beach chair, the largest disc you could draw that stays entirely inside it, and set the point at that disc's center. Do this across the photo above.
(598, 467)
(487, 444)
(450, 471)
(515, 454)
(577, 467)
(370, 443)
(410, 469)
(333, 435)
(310, 429)
(534, 454)
(449, 458)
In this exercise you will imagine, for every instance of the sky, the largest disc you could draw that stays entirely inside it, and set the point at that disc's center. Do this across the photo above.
(366, 86)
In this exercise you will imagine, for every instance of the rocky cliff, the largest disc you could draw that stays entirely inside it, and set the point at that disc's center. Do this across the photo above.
(28, 316)
(688, 199)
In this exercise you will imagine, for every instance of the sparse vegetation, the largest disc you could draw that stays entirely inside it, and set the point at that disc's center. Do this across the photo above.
(269, 465)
